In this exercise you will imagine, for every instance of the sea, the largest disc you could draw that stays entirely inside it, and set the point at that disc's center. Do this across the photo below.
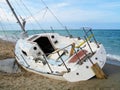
(110, 38)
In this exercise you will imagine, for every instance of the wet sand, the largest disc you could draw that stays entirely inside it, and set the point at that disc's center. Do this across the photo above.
(30, 81)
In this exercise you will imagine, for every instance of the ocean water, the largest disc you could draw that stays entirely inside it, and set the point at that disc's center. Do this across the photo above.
(109, 38)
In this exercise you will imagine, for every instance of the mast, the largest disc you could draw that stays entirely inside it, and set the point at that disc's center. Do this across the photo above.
(14, 13)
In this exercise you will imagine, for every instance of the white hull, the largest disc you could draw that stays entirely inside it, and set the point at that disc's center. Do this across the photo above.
(79, 71)
(58, 57)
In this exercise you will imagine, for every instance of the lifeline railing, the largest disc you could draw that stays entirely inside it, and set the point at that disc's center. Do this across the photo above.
(87, 38)
(73, 50)
(91, 32)
(60, 57)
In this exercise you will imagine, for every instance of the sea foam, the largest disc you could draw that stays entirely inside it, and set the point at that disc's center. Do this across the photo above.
(9, 38)
(113, 59)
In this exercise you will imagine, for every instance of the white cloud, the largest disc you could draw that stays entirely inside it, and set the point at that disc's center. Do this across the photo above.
(72, 14)
(63, 4)
(67, 12)
(2, 1)
(6, 16)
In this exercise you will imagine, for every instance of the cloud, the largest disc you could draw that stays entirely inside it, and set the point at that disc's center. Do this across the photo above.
(6, 16)
(63, 4)
(2, 1)
(67, 14)
(5, 13)
(82, 11)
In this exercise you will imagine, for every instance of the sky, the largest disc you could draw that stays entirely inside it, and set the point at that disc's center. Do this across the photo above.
(97, 14)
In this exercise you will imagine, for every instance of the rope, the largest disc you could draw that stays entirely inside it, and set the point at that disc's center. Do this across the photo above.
(33, 16)
(56, 17)
(6, 17)
(10, 25)
(23, 10)
(45, 12)
(20, 7)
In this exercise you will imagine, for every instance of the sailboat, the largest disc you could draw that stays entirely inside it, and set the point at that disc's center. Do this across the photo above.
(59, 57)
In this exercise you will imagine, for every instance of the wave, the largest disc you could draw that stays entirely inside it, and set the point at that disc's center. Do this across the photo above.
(9, 38)
(113, 59)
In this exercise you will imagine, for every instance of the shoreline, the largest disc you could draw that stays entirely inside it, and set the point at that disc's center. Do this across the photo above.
(26, 80)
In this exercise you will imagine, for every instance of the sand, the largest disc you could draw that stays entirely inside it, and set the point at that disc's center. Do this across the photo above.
(6, 49)
(30, 81)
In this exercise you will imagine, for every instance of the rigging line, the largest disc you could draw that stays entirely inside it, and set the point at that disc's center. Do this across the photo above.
(15, 10)
(52, 29)
(22, 21)
(7, 19)
(33, 16)
(3, 29)
(68, 31)
(36, 13)
(45, 13)
(16, 17)
(17, 13)
(21, 8)
(56, 17)
(53, 14)
(12, 28)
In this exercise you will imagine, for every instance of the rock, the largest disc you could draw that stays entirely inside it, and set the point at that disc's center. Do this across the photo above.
(9, 66)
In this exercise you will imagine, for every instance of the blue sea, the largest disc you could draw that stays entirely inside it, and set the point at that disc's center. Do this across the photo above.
(109, 38)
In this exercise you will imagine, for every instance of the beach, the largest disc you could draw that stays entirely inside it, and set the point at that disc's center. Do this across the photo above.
(30, 81)
(6, 49)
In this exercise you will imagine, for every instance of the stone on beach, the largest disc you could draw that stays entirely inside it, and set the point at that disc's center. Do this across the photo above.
(9, 66)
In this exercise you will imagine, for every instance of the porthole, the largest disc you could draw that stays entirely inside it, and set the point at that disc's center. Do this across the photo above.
(77, 73)
(87, 66)
(35, 48)
(52, 36)
(96, 58)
